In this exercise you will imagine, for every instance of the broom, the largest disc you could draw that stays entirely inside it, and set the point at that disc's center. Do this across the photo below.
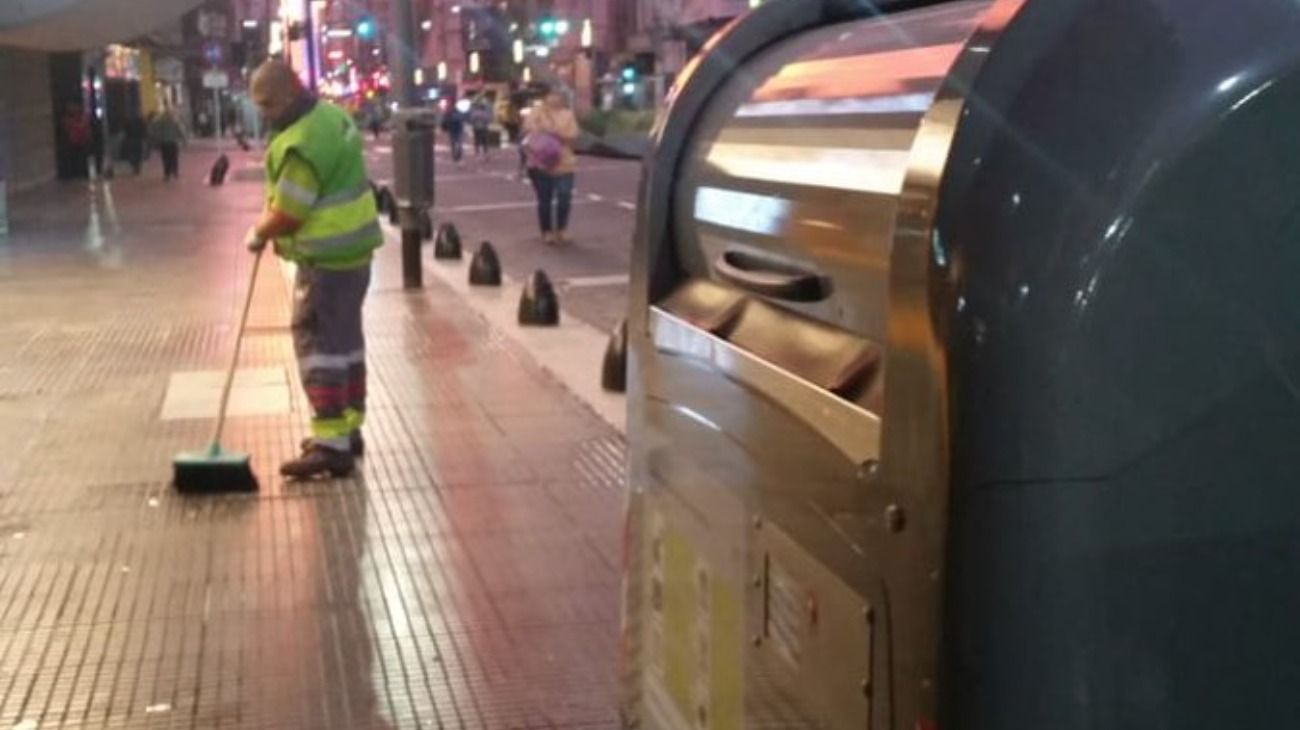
(215, 469)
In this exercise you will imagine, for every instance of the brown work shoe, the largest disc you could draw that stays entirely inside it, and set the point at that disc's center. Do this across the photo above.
(356, 444)
(319, 461)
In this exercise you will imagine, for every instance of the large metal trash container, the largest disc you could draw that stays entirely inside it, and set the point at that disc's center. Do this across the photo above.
(964, 371)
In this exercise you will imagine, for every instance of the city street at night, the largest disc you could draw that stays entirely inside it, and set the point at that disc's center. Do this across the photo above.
(466, 576)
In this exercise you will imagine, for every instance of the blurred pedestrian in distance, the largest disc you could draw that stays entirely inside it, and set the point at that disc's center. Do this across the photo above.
(552, 130)
(133, 135)
(166, 134)
(512, 123)
(480, 120)
(77, 137)
(453, 123)
(97, 144)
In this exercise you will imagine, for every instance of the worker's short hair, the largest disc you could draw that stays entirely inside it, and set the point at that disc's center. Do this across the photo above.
(278, 76)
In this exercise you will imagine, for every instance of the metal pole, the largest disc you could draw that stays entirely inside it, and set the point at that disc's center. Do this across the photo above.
(4, 173)
(402, 54)
(402, 61)
(216, 94)
(412, 269)
(312, 48)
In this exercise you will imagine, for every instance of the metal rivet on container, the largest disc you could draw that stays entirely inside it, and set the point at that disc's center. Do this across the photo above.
(866, 687)
(868, 469)
(758, 523)
(758, 640)
(868, 614)
(894, 518)
(758, 581)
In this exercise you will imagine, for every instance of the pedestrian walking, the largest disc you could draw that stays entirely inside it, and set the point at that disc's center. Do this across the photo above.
(321, 214)
(133, 136)
(453, 123)
(97, 146)
(480, 120)
(166, 133)
(77, 138)
(512, 123)
(552, 131)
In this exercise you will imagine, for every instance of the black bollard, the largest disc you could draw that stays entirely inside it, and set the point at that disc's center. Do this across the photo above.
(538, 305)
(394, 214)
(380, 201)
(217, 175)
(485, 267)
(447, 244)
(613, 371)
(387, 205)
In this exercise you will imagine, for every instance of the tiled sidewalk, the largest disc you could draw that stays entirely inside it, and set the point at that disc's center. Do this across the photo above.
(467, 577)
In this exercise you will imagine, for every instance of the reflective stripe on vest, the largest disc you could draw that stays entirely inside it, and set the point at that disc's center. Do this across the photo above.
(342, 228)
(332, 232)
(346, 196)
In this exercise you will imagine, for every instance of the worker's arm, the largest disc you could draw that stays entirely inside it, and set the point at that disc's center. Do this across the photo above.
(295, 192)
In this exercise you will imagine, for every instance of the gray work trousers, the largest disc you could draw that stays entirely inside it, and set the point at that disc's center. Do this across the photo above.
(331, 349)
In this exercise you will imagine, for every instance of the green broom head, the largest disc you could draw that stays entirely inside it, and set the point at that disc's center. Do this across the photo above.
(213, 470)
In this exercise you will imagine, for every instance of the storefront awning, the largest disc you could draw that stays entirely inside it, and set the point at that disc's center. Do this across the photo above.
(71, 25)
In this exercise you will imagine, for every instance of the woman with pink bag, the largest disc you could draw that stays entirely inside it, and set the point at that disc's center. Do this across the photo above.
(552, 130)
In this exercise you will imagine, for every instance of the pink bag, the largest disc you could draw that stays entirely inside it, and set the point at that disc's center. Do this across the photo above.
(543, 150)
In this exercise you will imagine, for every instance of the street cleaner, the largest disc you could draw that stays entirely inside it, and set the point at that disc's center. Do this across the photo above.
(320, 214)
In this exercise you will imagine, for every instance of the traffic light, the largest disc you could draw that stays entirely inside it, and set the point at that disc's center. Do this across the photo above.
(550, 29)
(366, 28)
(629, 72)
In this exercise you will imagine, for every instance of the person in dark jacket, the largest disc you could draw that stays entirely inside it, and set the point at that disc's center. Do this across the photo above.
(77, 138)
(167, 134)
(133, 136)
(453, 123)
(480, 120)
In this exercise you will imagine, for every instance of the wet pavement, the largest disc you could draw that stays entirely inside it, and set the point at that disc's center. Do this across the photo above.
(466, 577)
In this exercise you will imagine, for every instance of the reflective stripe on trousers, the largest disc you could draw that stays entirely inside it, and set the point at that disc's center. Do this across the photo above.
(330, 345)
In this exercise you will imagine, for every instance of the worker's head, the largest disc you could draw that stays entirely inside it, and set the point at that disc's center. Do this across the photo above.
(275, 89)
